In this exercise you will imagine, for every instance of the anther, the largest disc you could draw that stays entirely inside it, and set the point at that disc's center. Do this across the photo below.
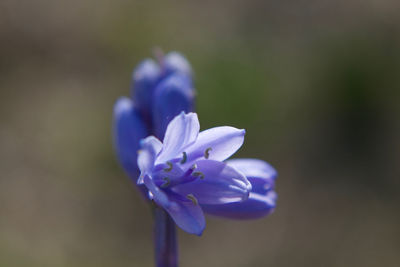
(207, 152)
(184, 158)
(166, 183)
(192, 198)
(169, 167)
(198, 174)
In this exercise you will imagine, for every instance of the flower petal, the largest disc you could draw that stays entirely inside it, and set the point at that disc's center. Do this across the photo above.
(217, 143)
(261, 174)
(256, 206)
(150, 147)
(254, 168)
(262, 199)
(187, 215)
(172, 96)
(217, 183)
(128, 130)
(159, 196)
(181, 132)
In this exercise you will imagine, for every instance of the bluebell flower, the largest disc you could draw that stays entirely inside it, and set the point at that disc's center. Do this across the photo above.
(186, 173)
(189, 172)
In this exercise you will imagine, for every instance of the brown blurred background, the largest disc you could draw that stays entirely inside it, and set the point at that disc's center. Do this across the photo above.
(315, 84)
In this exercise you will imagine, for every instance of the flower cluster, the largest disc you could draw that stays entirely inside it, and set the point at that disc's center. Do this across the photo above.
(188, 173)
(159, 91)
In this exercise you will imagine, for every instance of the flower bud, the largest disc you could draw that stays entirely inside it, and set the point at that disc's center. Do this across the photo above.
(144, 80)
(175, 62)
(128, 130)
(172, 96)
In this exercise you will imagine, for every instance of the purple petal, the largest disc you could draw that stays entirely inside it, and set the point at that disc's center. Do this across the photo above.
(150, 147)
(187, 215)
(172, 96)
(128, 129)
(181, 132)
(261, 174)
(217, 143)
(262, 199)
(254, 168)
(159, 196)
(220, 184)
(256, 206)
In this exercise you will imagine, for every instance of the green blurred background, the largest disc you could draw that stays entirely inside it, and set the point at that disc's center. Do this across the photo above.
(314, 83)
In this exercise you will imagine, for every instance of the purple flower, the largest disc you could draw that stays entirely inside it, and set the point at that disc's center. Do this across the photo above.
(186, 174)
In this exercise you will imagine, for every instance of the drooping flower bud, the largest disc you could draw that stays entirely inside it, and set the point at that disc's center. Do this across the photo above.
(144, 80)
(129, 129)
(175, 62)
(172, 96)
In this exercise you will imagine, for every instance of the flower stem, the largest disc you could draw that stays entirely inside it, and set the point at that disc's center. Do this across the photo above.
(166, 251)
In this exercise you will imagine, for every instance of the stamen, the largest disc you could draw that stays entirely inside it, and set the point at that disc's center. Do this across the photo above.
(193, 167)
(207, 152)
(192, 198)
(197, 174)
(169, 167)
(184, 158)
(166, 183)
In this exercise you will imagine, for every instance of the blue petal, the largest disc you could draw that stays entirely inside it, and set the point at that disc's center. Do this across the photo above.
(256, 206)
(254, 168)
(261, 174)
(262, 199)
(220, 184)
(175, 62)
(150, 147)
(159, 196)
(128, 130)
(181, 132)
(172, 96)
(186, 214)
(217, 143)
(144, 80)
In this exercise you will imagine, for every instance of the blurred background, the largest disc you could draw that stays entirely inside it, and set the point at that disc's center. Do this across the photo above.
(314, 83)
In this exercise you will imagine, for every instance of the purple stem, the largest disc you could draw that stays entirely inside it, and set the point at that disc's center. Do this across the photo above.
(166, 249)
